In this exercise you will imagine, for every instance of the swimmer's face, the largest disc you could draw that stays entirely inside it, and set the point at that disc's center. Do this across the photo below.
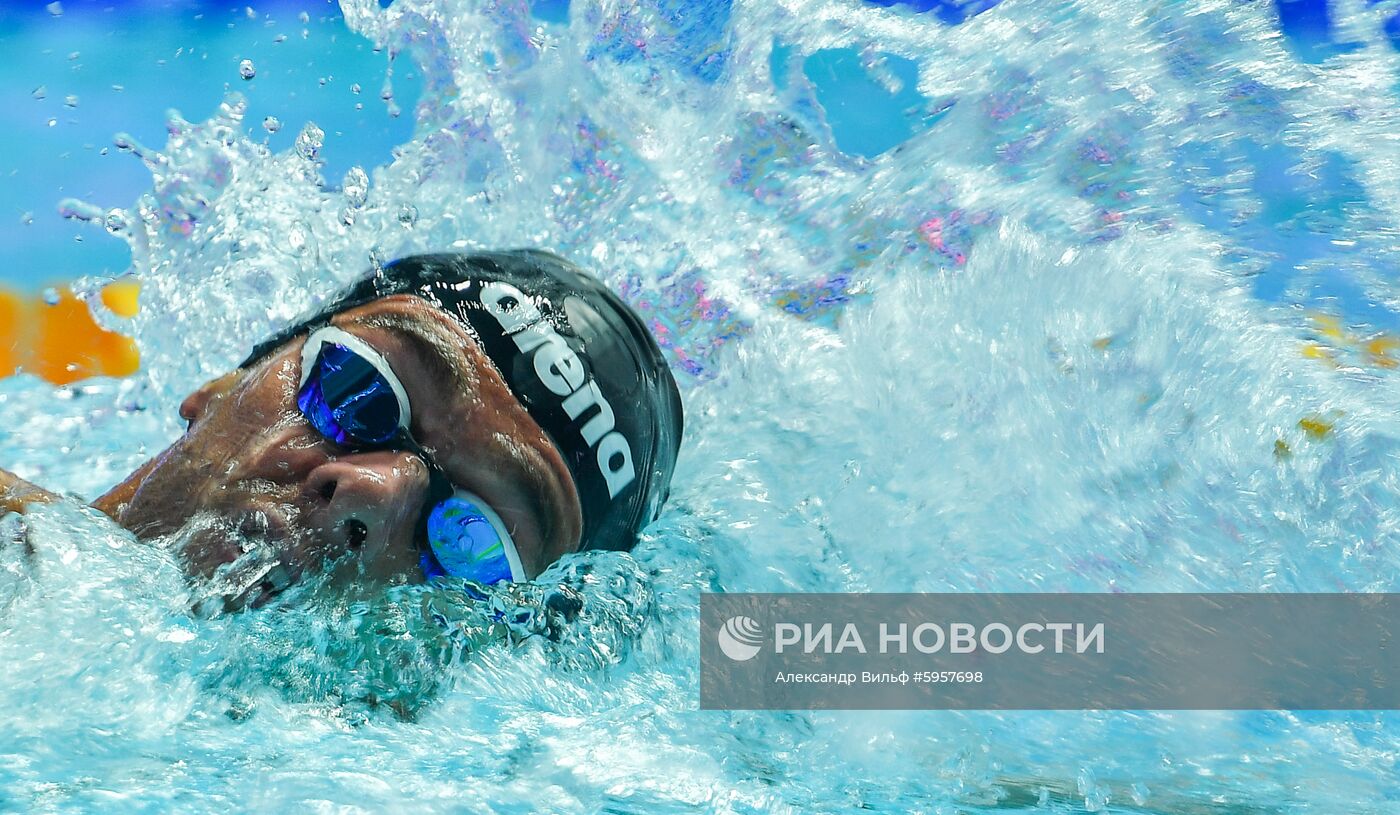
(251, 473)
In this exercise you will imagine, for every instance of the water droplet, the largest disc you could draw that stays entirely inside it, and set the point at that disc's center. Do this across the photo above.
(246, 69)
(272, 124)
(408, 215)
(309, 141)
(51, 295)
(355, 88)
(116, 222)
(27, 218)
(1139, 793)
(118, 88)
(55, 8)
(53, 122)
(232, 109)
(280, 38)
(323, 81)
(70, 100)
(304, 18)
(73, 55)
(296, 240)
(40, 92)
(356, 187)
(248, 11)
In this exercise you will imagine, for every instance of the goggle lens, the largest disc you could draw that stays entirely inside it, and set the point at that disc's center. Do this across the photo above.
(348, 400)
(467, 540)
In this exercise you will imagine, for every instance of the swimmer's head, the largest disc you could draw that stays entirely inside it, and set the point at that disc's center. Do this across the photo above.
(518, 383)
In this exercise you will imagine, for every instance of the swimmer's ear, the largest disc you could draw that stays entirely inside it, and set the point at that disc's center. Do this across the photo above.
(195, 404)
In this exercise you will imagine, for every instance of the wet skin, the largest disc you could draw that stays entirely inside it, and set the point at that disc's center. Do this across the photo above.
(16, 494)
(250, 459)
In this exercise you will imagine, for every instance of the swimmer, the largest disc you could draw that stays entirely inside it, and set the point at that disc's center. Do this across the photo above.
(475, 416)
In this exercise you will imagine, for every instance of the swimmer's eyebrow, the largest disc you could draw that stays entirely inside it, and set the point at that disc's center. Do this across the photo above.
(425, 349)
(442, 372)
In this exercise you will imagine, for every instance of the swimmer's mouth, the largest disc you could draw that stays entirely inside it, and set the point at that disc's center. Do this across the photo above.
(267, 534)
(239, 563)
(247, 584)
(256, 556)
(281, 577)
(273, 584)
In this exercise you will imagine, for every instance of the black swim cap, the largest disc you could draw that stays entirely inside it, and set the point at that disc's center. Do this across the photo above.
(577, 357)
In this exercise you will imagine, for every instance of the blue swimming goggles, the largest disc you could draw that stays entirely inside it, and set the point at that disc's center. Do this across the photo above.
(352, 397)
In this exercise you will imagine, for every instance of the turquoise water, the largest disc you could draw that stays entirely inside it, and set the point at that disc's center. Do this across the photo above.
(1043, 331)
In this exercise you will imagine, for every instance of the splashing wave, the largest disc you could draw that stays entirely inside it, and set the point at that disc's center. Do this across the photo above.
(1051, 336)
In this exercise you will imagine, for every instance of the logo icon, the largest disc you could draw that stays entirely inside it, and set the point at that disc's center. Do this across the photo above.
(740, 638)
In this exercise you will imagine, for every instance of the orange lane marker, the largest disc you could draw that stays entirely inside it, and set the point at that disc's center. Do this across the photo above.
(61, 342)
(11, 332)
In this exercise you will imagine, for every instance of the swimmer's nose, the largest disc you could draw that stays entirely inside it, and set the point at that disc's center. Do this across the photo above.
(368, 502)
(196, 403)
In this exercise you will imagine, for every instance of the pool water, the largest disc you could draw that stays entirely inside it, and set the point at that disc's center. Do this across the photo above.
(1103, 306)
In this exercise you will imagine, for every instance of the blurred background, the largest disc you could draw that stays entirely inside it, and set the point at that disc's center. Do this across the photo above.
(82, 77)
(84, 80)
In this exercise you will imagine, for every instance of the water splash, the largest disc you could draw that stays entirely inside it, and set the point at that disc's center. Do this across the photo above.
(1053, 336)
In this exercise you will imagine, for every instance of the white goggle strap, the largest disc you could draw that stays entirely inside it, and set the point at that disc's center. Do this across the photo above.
(517, 571)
